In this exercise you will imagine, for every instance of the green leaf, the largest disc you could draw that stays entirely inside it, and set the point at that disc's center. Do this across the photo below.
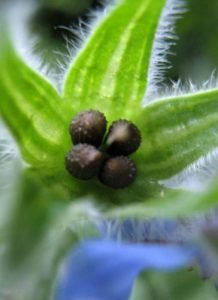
(39, 234)
(170, 204)
(180, 285)
(33, 209)
(110, 72)
(176, 131)
(33, 111)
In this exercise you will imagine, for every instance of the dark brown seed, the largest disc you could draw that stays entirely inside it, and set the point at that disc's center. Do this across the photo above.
(123, 138)
(83, 161)
(88, 127)
(118, 172)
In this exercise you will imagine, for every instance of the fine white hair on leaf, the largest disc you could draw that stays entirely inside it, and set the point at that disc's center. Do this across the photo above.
(83, 218)
(134, 230)
(82, 32)
(198, 175)
(18, 17)
(154, 230)
(164, 39)
(73, 46)
(187, 88)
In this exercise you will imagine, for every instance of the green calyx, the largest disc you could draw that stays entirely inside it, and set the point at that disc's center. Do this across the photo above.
(109, 74)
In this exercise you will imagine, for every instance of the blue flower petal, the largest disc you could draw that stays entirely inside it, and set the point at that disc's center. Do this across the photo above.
(106, 270)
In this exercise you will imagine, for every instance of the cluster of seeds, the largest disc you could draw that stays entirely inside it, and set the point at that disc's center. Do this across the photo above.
(93, 155)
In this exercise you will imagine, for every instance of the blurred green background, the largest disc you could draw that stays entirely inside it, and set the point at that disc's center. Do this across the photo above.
(52, 22)
(195, 53)
(197, 48)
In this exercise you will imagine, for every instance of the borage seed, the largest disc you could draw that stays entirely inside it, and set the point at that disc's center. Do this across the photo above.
(123, 138)
(83, 161)
(88, 127)
(118, 172)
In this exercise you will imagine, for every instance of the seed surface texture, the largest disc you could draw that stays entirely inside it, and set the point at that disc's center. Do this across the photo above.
(88, 127)
(83, 161)
(123, 138)
(118, 172)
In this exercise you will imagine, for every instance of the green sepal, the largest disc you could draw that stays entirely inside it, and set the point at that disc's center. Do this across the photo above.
(33, 111)
(110, 72)
(176, 131)
(170, 203)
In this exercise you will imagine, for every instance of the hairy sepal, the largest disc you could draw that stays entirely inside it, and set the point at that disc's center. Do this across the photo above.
(110, 71)
(170, 204)
(32, 110)
(176, 131)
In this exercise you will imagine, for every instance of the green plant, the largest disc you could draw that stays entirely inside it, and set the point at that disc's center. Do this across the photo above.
(117, 72)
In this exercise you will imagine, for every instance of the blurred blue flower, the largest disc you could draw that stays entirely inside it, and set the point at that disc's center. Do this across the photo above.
(106, 269)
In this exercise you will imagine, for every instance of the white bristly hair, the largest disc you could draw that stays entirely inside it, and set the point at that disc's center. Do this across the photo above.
(187, 88)
(200, 173)
(164, 38)
(18, 16)
(157, 229)
(83, 33)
